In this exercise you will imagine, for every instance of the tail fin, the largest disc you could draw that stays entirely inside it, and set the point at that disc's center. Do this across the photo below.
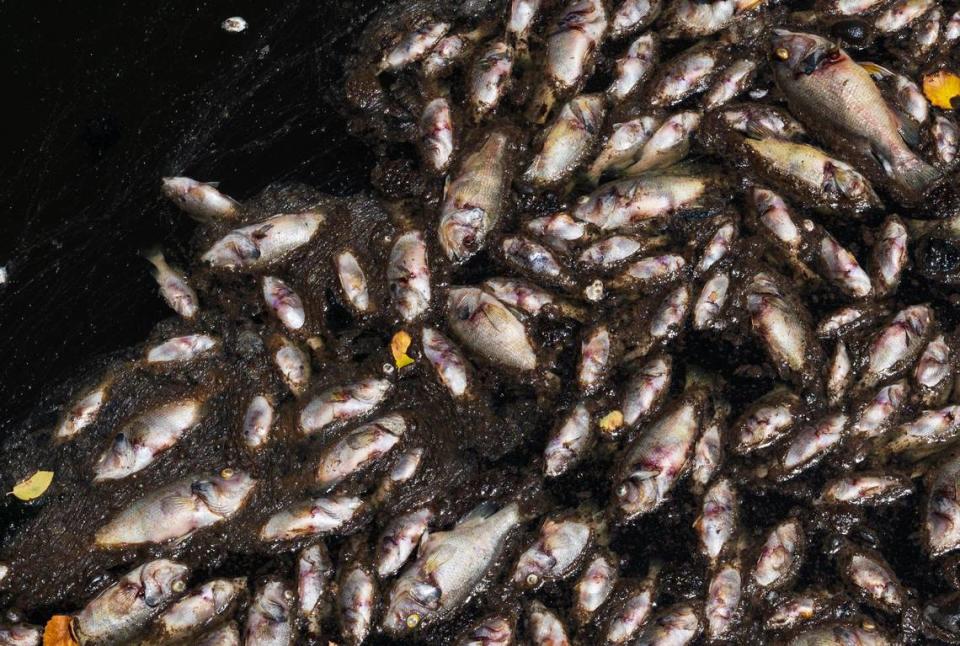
(917, 176)
(154, 255)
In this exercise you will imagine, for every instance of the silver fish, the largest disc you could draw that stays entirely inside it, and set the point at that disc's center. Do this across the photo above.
(488, 328)
(647, 389)
(399, 539)
(490, 78)
(731, 82)
(413, 46)
(946, 138)
(284, 302)
(621, 147)
(353, 281)
(718, 518)
(942, 514)
(811, 445)
(708, 452)
(176, 511)
(611, 251)
(83, 411)
(197, 610)
(174, 287)
(405, 468)
(897, 345)
(557, 230)
(889, 255)
(761, 119)
(259, 244)
(545, 626)
(447, 360)
(634, 611)
(595, 357)
(408, 274)
(449, 567)
(520, 20)
(313, 517)
(677, 625)
(292, 363)
(669, 317)
(568, 442)
(901, 14)
(437, 135)
(872, 578)
(651, 271)
(931, 428)
(257, 422)
(450, 51)
(594, 587)
(633, 68)
(532, 257)
(567, 141)
(356, 600)
(794, 608)
(474, 198)
(766, 421)
(692, 19)
(125, 608)
(686, 74)
(718, 246)
(359, 449)
(839, 374)
(490, 631)
(668, 145)
(520, 295)
(842, 317)
(555, 554)
(200, 200)
(270, 617)
(143, 438)
(722, 608)
(632, 16)
(841, 268)
(933, 370)
(781, 328)
(780, 556)
(181, 348)
(340, 405)
(865, 489)
(879, 412)
(711, 301)
(314, 583)
(634, 200)
(841, 634)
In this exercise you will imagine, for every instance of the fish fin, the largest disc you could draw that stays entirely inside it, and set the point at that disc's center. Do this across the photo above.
(876, 70)
(913, 173)
(213, 184)
(154, 255)
(908, 128)
(479, 514)
(173, 504)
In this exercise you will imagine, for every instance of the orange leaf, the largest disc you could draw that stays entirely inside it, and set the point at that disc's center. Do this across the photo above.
(611, 421)
(398, 347)
(942, 88)
(57, 632)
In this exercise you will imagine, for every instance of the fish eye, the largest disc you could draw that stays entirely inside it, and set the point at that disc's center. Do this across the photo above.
(622, 490)
(412, 620)
(179, 586)
(782, 53)
(532, 579)
(226, 473)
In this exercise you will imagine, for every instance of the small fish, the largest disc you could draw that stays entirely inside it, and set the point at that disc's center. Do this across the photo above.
(634, 610)
(897, 345)
(356, 601)
(634, 200)
(197, 610)
(143, 438)
(20, 635)
(177, 510)
(408, 274)
(174, 286)
(520, 20)
(314, 583)
(766, 421)
(359, 449)
(839, 374)
(449, 567)
(711, 301)
(676, 625)
(731, 82)
(353, 281)
(810, 445)
(490, 631)
(612, 250)
(941, 523)
(340, 405)
(709, 450)
(557, 230)
(668, 145)
(633, 68)
(262, 243)
(474, 198)
(876, 416)
(533, 258)
(841, 634)
(284, 302)
(413, 46)
(257, 422)
(694, 19)
(314, 517)
(568, 442)
(490, 79)
(686, 74)
(488, 328)
(780, 556)
(762, 120)
(794, 608)
(718, 246)
(520, 295)
(621, 147)
(595, 358)
(437, 135)
(121, 611)
(841, 268)
(647, 389)
(594, 586)
(399, 539)
(270, 617)
(181, 348)
(865, 489)
(722, 608)
(782, 328)
(450, 51)
(931, 428)
(718, 518)
(83, 411)
(632, 16)
(871, 577)
(668, 318)
(292, 363)
(447, 360)
(545, 626)
(555, 554)
(889, 255)
(946, 138)
(901, 15)
(404, 469)
(200, 200)
(567, 141)
(933, 370)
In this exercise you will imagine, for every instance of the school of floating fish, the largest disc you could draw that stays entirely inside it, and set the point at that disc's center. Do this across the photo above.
(584, 207)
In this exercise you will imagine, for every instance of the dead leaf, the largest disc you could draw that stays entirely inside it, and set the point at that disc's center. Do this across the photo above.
(942, 88)
(57, 632)
(611, 421)
(34, 486)
(398, 347)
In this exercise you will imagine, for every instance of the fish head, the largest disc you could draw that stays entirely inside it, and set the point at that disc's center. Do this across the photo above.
(463, 303)
(801, 54)
(225, 493)
(236, 249)
(411, 602)
(638, 493)
(160, 579)
(462, 232)
(178, 189)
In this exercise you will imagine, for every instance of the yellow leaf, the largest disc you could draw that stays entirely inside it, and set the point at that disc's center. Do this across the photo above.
(34, 486)
(611, 421)
(57, 632)
(942, 88)
(399, 346)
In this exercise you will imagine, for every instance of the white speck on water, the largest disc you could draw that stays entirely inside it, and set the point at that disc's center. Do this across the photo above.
(234, 25)
(758, 93)
(3, 275)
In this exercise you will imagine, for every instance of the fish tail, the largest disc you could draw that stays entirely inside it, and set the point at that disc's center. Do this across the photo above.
(154, 255)
(917, 175)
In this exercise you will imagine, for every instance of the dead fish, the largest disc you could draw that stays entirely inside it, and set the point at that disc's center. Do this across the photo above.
(933, 371)
(270, 617)
(125, 608)
(635, 609)
(533, 258)
(841, 634)
(766, 421)
(405, 468)
(353, 281)
(717, 522)
(518, 294)
(359, 449)
(226, 635)
(285, 303)
(399, 539)
(820, 80)
(200, 200)
(711, 301)
(718, 246)
(174, 286)
(448, 569)
(931, 428)
(669, 317)
(952, 29)
(653, 463)
(408, 274)
(690, 19)
(897, 345)
(780, 557)
(625, 142)
(634, 200)
(941, 525)
(632, 16)
(557, 230)
(262, 243)
(594, 586)
(722, 607)
(437, 135)
(520, 20)
(731, 82)
(545, 626)
(907, 95)
(568, 442)
(488, 328)
(490, 631)
(567, 141)
(83, 411)
(633, 68)
(761, 120)
(876, 416)
(841, 268)
(839, 375)
(143, 438)
(449, 51)
(868, 573)
(356, 601)
(595, 356)
(556, 552)
(447, 360)
(177, 510)
(413, 46)
(865, 489)
(848, 7)
(490, 79)
(810, 446)
(292, 363)
(709, 450)
(314, 584)
(781, 327)
(688, 73)
(198, 610)
(647, 389)
(314, 517)
(474, 198)
(889, 255)
(613, 250)
(668, 145)
(676, 625)
(792, 609)
(946, 138)
(901, 15)
(339, 405)
(181, 348)
(257, 422)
